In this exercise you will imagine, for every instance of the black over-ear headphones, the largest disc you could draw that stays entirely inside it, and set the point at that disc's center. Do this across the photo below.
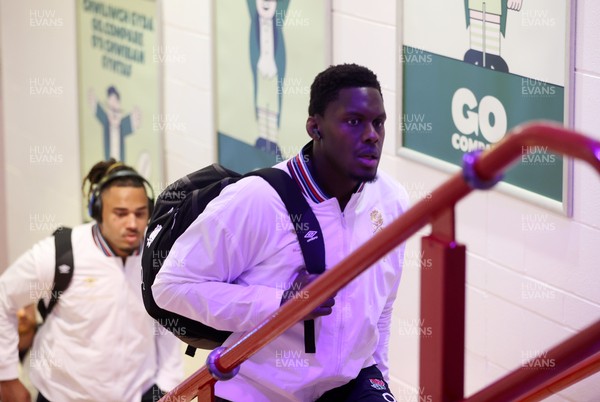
(95, 205)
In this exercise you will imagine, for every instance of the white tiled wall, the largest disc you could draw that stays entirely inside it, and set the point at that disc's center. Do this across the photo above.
(3, 213)
(586, 197)
(41, 147)
(528, 286)
(188, 86)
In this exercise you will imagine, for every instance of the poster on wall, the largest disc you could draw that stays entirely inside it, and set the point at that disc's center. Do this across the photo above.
(119, 84)
(267, 54)
(474, 69)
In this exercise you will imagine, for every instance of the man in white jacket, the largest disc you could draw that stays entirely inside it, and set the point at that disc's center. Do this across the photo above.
(98, 343)
(240, 259)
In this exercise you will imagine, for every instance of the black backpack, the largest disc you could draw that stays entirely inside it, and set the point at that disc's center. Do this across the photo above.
(63, 274)
(180, 204)
(63, 269)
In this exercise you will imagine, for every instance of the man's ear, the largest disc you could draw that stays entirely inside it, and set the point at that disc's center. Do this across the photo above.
(312, 128)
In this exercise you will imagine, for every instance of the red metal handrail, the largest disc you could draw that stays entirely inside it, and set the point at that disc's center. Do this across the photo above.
(571, 360)
(576, 373)
(437, 208)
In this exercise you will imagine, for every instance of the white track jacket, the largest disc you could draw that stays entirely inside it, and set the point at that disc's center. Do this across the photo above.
(231, 266)
(98, 344)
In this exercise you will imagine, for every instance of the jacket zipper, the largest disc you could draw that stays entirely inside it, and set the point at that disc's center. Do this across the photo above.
(340, 295)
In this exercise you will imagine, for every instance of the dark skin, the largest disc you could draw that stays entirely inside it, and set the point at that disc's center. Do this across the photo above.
(350, 144)
(348, 140)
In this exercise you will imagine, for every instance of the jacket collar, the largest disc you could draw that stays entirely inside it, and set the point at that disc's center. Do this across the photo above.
(298, 168)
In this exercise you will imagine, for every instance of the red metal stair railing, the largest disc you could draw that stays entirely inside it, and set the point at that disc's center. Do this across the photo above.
(442, 288)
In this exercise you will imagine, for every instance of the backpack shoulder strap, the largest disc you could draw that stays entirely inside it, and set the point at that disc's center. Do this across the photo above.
(63, 269)
(304, 221)
(307, 229)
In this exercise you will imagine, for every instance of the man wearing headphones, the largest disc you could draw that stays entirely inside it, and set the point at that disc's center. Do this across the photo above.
(98, 343)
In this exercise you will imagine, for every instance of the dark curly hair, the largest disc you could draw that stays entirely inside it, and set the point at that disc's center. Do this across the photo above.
(327, 84)
(101, 170)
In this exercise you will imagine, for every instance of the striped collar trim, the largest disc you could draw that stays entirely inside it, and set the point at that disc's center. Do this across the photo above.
(103, 244)
(298, 168)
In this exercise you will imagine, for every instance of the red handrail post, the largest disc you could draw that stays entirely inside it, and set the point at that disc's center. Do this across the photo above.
(201, 384)
(443, 276)
(206, 392)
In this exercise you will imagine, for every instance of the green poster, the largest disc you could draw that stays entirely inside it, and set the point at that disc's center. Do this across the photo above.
(267, 54)
(119, 84)
(494, 65)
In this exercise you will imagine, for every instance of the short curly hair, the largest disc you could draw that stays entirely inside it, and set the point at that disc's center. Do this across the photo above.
(328, 83)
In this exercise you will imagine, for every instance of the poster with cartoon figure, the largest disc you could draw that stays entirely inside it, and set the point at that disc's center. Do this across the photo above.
(264, 77)
(267, 61)
(115, 126)
(119, 84)
(486, 20)
(474, 69)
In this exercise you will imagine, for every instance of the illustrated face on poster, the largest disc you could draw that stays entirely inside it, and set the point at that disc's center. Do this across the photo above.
(114, 127)
(266, 8)
(474, 69)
